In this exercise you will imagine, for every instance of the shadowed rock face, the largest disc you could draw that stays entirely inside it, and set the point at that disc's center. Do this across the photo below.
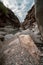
(20, 50)
(7, 17)
(39, 14)
(30, 18)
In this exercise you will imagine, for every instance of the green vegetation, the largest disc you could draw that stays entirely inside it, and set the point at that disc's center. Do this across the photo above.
(3, 8)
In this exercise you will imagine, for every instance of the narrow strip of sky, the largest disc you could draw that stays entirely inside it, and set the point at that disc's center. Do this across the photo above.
(19, 7)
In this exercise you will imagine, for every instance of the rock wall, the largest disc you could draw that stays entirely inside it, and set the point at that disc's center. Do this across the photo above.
(39, 15)
(30, 18)
(7, 17)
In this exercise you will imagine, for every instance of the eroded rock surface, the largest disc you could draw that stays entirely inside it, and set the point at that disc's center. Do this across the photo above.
(20, 50)
(30, 18)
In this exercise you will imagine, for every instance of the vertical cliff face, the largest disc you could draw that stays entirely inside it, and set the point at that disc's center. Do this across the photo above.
(39, 14)
(30, 18)
(8, 17)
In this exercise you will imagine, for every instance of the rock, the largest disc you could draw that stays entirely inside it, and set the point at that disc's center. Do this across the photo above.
(39, 15)
(28, 43)
(8, 36)
(8, 30)
(7, 17)
(1, 37)
(30, 18)
(20, 51)
(9, 23)
(2, 33)
(34, 34)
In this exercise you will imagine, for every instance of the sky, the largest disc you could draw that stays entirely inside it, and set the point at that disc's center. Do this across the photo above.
(19, 7)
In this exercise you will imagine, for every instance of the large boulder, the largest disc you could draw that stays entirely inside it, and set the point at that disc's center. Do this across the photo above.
(19, 50)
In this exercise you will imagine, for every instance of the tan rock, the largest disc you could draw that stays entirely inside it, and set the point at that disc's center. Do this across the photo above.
(20, 50)
(27, 42)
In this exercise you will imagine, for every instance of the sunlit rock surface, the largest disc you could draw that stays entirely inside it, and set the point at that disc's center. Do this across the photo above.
(20, 50)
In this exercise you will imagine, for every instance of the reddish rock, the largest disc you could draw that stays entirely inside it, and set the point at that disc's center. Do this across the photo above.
(30, 18)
